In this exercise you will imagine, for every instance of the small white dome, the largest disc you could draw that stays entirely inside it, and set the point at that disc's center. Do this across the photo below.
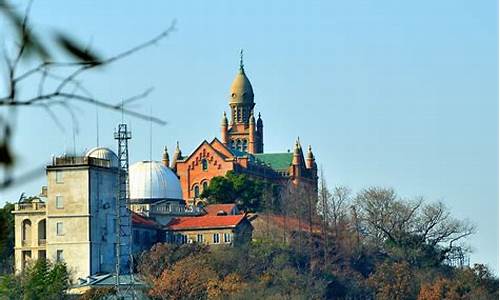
(104, 153)
(153, 180)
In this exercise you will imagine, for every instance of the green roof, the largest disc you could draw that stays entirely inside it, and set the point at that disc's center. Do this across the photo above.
(277, 161)
(237, 153)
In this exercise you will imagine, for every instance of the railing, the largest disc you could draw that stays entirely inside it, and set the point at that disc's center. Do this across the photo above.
(31, 206)
(80, 160)
(42, 242)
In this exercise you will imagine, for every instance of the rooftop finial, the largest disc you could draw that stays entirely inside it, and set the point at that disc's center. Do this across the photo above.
(241, 60)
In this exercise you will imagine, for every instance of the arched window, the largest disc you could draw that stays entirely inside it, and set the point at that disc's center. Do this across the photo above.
(196, 191)
(204, 164)
(42, 232)
(205, 185)
(238, 145)
(26, 232)
(244, 146)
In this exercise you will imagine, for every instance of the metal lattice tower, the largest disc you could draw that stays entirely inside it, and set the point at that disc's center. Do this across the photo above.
(123, 246)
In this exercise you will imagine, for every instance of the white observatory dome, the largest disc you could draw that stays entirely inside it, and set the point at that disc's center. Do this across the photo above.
(104, 153)
(153, 180)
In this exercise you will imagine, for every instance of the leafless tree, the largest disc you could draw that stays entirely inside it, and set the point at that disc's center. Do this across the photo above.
(386, 217)
(58, 82)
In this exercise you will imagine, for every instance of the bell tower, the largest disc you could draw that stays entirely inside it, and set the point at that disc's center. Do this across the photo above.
(242, 134)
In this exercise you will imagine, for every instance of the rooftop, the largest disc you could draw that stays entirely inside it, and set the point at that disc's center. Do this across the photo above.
(277, 161)
(142, 221)
(205, 222)
(214, 209)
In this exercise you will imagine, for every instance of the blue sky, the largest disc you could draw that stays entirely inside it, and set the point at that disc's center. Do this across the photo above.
(389, 93)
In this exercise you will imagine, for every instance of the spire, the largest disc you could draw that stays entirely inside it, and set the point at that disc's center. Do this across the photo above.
(310, 154)
(242, 69)
(296, 150)
(177, 156)
(252, 119)
(259, 120)
(165, 158)
(224, 119)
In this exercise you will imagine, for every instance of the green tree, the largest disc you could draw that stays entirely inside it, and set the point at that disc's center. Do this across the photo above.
(41, 280)
(246, 192)
(6, 239)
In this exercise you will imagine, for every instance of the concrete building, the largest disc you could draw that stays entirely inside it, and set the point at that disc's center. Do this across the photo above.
(76, 223)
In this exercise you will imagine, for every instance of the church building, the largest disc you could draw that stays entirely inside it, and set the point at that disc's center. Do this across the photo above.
(241, 149)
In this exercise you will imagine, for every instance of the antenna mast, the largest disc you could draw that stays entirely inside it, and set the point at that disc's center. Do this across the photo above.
(123, 244)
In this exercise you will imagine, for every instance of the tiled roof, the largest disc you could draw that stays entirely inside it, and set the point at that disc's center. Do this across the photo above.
(237, 153)
(140, 220)
(204, 222)
(213, 209)
(277, 161)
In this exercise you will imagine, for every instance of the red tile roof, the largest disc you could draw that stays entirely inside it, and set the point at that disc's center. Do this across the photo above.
(140, 220)
(205, 222)
(213, 209)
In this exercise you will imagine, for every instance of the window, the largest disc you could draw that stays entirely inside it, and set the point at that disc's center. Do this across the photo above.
(59, 228)
(59, 177)
(216, 238)
(199, 238)
(244, 146)
(59, 201)
(227, 237)
(204, 164)
(59, 255)
(205, 185)
(196, 191)
(182, 239)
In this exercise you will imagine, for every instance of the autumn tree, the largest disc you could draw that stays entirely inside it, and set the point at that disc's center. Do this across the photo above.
(394, 281)
(152, 263)
(187, 279)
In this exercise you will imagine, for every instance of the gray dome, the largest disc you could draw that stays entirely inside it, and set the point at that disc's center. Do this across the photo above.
(153, 180)
(104, 153)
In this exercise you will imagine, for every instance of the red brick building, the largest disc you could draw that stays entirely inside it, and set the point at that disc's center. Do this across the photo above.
(240, 149)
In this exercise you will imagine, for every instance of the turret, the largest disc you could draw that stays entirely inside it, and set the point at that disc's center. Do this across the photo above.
(224, 125)
(177, 157)
(259, 146)
(165, 160)
(297, 159)
(251, 135)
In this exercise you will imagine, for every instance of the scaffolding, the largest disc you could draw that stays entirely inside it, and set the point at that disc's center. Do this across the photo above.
(123, 244)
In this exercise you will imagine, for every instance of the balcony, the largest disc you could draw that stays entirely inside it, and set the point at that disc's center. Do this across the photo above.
(31, 206)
